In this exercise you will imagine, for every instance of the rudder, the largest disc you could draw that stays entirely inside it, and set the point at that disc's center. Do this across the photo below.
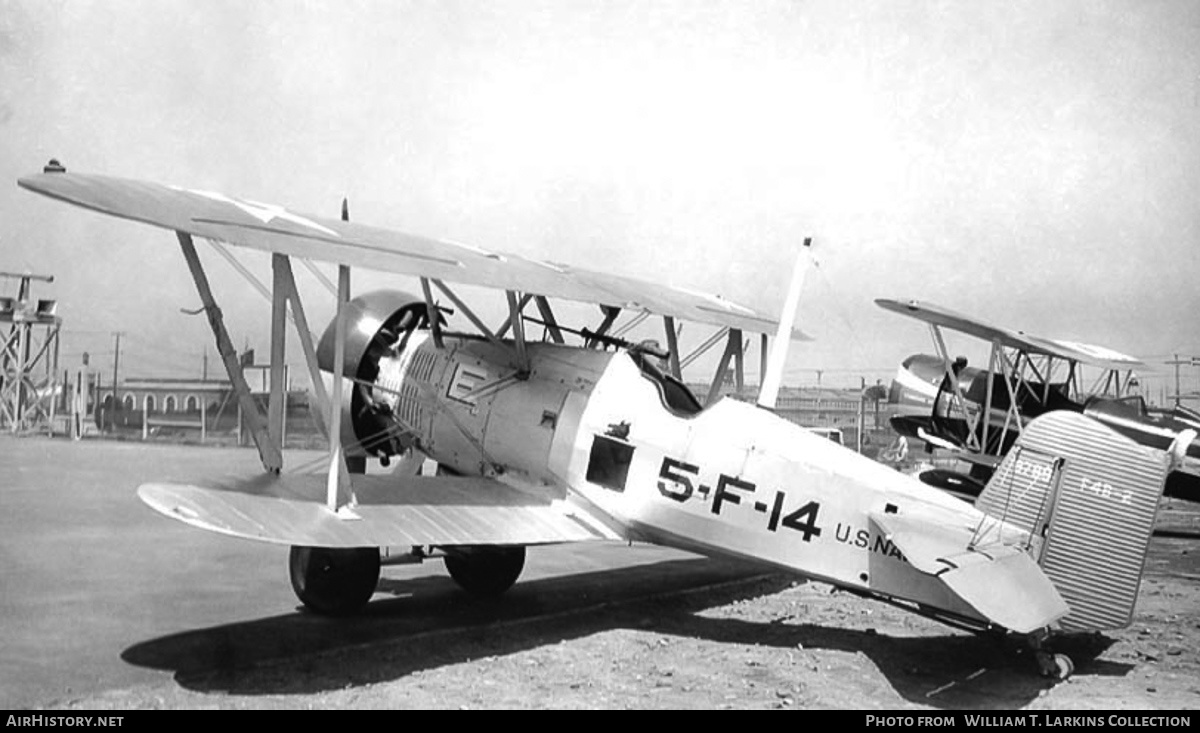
(1089, 497)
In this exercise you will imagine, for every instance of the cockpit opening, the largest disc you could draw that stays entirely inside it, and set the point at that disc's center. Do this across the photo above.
(674, 394)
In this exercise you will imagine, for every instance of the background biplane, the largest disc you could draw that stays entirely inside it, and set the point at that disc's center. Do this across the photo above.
(977, 413)
(584, 436)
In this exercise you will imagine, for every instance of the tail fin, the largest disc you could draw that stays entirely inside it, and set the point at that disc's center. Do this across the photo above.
(1088, 496)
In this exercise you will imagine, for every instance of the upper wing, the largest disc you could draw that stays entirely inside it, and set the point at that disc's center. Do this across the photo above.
(1074, 351)
(391, 511)
(274, 229)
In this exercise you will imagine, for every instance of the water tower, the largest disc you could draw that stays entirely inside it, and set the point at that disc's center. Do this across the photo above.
(29, 331)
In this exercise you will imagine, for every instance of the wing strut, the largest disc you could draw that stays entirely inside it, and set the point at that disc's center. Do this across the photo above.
(508, 322)
(435, 323)
(610, 315)
(762, 355)
(703, 348)
(672, 346)
(733, 345)
(1014, 380)
(277, 402)
(285, 280)
(957, 399)
(548, 317)
(514, 321)
(518, 327)
(269, 451)
(989, 394)
(339, 496)
(632, 323)
(257, 284)
(483, 329)
(739, 360)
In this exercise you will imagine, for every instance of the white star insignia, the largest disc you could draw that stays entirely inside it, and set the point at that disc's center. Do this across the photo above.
(263, 212)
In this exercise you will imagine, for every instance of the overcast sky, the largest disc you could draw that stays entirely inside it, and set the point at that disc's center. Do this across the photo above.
(1033, 164)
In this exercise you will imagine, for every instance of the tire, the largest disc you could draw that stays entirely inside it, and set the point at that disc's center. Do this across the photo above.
(486, 571)
(334, 581)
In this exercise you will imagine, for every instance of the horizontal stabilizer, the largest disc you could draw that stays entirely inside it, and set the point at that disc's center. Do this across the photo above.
(1007, 587)
(924, 542)
(289, 509)
(1003, 584)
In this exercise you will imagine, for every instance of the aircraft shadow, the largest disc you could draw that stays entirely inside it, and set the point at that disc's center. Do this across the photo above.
(1177, 534)
(429, 623)
(430, 614)
(950, 671)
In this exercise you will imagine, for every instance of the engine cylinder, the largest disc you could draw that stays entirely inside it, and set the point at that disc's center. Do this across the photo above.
(377, 325)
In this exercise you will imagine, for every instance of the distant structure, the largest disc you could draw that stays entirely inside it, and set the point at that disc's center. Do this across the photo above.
(830, 411)
(29, 387)
(151, 402)
(207, 409)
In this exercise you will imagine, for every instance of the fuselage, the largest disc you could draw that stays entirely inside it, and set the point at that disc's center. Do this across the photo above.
(737, 479)
(732, 479)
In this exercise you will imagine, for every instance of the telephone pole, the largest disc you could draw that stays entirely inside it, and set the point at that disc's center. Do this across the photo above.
(116, 362)
(1176, 362)
(862, 408)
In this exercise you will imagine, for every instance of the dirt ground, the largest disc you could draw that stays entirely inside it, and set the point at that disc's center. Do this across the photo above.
(766, 642)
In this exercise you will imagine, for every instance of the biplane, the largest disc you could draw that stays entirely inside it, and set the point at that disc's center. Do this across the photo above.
(977, 413)
(584, 436)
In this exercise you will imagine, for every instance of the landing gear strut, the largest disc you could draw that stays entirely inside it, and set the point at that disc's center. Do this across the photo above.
(334, 581)
(485, 571)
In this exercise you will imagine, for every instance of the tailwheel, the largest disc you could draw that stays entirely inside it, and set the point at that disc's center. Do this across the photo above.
(485, 571)
(334, 581)
(1055, 666)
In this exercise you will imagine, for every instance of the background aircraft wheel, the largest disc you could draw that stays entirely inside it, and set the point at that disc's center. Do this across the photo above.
(485, 571)
(334, 582)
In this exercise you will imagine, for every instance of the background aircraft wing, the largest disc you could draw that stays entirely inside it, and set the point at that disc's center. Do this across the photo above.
(289, 509)
(946, 318)
(272, 228)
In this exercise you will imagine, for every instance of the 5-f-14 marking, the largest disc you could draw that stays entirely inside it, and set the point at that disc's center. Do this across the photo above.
(675, 482)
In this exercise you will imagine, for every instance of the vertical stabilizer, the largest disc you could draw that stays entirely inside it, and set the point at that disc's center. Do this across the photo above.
(1088, 497)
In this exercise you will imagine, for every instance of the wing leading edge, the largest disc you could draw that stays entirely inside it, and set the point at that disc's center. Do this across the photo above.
(392, 511)
(272, 228)
(1074, 351)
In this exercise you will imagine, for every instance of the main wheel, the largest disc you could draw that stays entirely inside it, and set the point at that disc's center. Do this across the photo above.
(485, 571)
(334, 582)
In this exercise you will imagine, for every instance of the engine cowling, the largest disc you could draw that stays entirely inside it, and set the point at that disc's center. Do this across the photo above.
(377, 325)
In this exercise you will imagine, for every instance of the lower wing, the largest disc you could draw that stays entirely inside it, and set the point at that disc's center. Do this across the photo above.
(289, 509)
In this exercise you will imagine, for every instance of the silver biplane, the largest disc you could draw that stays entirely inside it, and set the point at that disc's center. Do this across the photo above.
(584, 437)
(978, 413)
